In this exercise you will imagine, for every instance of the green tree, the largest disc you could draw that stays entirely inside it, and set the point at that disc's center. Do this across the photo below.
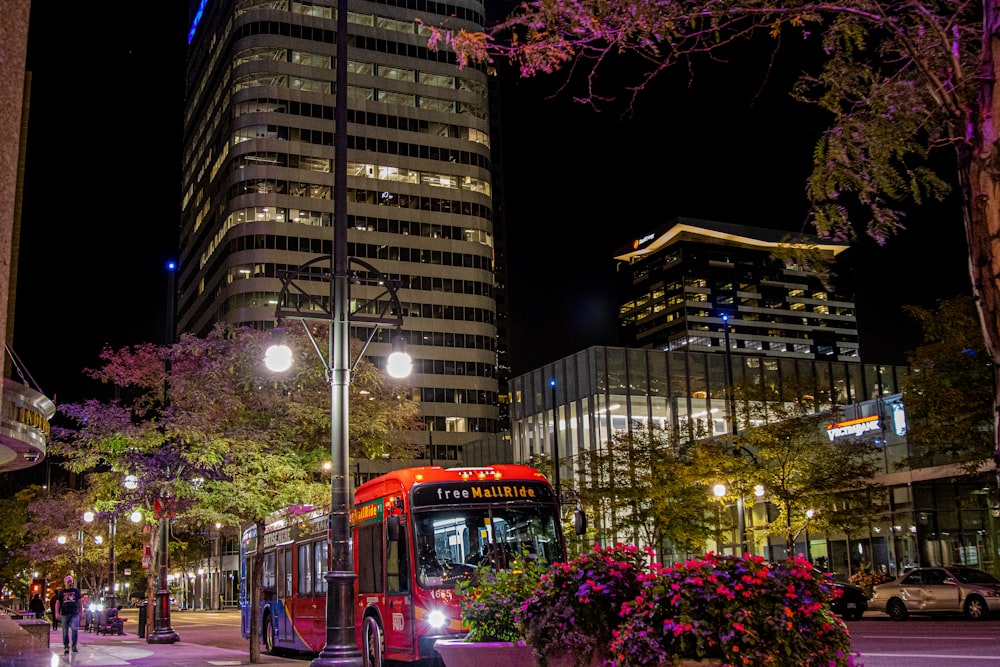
(949, 391)
(15, 565)
(214, 439)
(810, 479)
(646, 485)
(908, 86)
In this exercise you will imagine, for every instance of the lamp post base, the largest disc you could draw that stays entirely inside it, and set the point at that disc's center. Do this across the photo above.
(337, 657)
(162, 632)
(341, 649)
(163, 637)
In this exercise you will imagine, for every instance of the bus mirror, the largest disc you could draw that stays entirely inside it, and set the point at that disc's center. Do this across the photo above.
(392, 528)
(580, 522)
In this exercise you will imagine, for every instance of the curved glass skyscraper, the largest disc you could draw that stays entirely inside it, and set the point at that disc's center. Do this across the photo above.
(258, 182)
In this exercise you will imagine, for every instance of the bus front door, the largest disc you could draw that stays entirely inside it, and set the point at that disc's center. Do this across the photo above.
(284, 625)
(399, 631)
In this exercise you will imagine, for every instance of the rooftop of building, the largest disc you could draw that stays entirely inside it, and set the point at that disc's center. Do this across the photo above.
(711, 231)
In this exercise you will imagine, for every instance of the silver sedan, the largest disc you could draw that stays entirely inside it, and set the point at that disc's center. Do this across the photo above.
(927, 590)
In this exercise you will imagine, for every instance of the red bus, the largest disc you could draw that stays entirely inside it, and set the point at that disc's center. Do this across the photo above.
(416, 533)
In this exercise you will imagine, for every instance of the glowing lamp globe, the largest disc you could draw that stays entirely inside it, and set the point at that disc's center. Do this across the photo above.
(278, 358)
(399, 365)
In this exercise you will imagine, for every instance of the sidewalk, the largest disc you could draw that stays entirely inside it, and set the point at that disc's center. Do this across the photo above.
(20, 649)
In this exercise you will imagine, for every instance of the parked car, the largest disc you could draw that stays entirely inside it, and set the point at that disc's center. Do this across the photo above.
(932, 590)
(851, 603)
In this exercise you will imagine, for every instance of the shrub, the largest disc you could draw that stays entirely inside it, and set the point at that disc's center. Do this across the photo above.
(867, 579)
(491, 603)
(740, 610)
(575, 606)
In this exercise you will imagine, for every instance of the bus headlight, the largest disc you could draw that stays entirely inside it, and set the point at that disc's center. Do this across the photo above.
(437, 620)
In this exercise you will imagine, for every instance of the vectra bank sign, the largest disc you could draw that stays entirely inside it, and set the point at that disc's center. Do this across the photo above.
(853, 428)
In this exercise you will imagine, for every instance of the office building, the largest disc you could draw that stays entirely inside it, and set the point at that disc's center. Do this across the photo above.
(579, 402)
(258, 179)
(701, 284)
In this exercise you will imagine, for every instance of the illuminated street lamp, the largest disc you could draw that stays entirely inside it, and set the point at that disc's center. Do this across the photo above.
(162, 632)
(90, 517)
(340, 648)
(809, 517)
(719, 491)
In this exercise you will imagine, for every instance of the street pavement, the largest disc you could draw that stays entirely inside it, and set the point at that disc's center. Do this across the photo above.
(19, 649)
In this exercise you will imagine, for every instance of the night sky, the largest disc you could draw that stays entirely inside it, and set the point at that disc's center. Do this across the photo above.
(101, 202)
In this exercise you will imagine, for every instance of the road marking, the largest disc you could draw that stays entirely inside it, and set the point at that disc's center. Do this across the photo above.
(931, 655)
(952, 638)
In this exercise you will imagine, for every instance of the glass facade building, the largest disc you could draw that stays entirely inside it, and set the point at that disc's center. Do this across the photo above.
(933, 514)
(603, 390)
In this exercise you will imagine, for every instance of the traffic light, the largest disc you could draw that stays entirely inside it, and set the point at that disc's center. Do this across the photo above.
(37, 586)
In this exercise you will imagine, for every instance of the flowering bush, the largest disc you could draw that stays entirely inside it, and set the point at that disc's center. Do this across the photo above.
(575, 606)
(492, 602)
(740, 610)
(612, 603)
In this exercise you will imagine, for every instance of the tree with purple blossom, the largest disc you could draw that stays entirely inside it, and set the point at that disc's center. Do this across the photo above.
(211, 437)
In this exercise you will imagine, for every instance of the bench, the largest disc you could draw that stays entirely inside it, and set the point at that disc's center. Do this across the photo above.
(110, 623)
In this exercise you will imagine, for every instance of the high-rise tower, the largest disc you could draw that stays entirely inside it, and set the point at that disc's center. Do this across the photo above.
(706, 285)
(258, 182)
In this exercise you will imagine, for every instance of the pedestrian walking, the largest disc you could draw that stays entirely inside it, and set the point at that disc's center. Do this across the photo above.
(36, 606)
(68, 612)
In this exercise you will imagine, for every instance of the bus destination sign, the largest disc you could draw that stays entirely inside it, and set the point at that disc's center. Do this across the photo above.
(444, 493)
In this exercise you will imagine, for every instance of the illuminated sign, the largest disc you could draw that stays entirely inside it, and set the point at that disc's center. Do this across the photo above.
(899, 418)
(282, 536)
(370, 513)
(28, 416)
(643, 241)
(854, 427)
(197, 19)
(448, 493)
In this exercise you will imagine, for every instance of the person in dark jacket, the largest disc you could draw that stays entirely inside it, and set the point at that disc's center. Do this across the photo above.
(36, 606)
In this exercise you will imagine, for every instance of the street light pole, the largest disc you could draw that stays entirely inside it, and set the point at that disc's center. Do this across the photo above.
(162, 632)
(112, 530)
(719, 491)
(731, 418)
(218, 569)
(340, 649)
(555, 450)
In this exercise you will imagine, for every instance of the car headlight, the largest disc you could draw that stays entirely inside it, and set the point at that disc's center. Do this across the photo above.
(436, 619)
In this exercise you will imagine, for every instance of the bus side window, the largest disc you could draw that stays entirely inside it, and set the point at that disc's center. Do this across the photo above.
(370, 566)
(321, 565)
(305, 575)
(398, 565)
(267, 579)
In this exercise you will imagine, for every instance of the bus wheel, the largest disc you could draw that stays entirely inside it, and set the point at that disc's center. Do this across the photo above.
(372, 636)
(268, 635)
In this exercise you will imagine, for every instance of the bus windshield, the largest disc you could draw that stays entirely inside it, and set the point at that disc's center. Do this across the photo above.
(452, 544)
